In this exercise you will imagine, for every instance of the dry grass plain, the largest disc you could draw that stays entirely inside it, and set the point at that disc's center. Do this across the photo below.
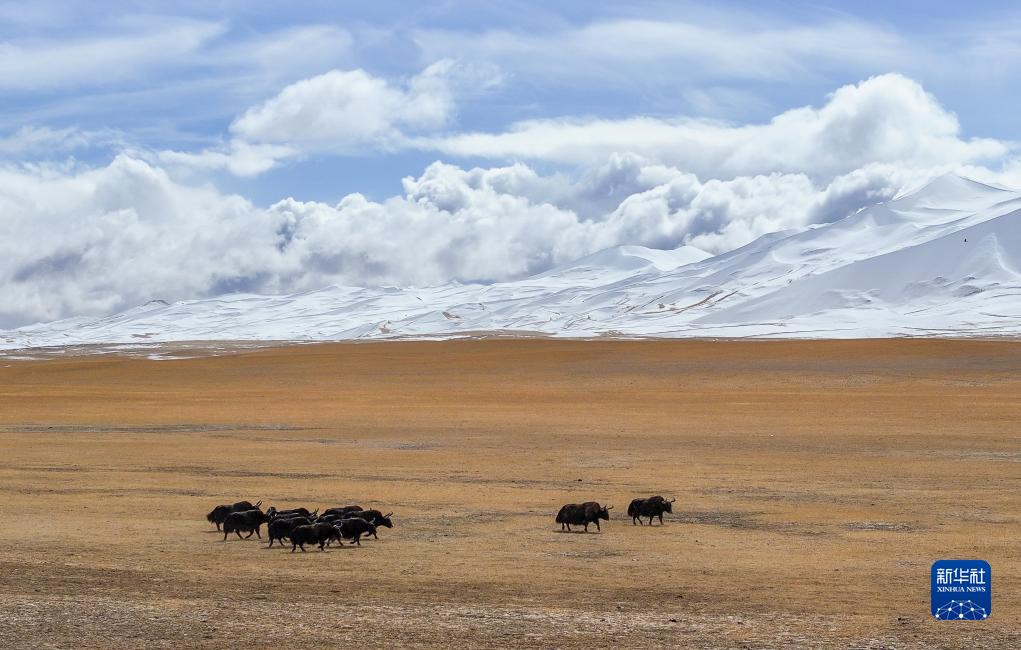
(816, 482)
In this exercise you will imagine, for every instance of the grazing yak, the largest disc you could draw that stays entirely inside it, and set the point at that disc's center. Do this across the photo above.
(281, 527)
(354, 528)
(313, 534)
(652, 507)
(220, 513)
(582, 514)
(374, 517)
(248, 521)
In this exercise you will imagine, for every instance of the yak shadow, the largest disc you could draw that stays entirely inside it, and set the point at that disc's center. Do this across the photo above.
(308, 549)
(577, 532)
(234, 538)
(315, 549)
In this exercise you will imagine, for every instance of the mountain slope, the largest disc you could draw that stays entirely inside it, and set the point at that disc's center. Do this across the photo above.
(943, 260)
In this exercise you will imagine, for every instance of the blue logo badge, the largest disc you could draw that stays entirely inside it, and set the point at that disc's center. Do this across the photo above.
(962, 590)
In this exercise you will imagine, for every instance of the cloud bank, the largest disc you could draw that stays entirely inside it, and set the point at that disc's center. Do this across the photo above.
(93, 240)
(885, 119)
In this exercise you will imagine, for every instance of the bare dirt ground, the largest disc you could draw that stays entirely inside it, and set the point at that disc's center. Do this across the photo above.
(816, 482)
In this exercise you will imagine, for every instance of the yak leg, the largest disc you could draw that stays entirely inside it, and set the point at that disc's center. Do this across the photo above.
(257, 533)
(651, 518)
(217, 527)
(586, 527)
(225, 533)
(358, 539)
(249, 534)
(238, 533)
(597, 526)
(661, 519)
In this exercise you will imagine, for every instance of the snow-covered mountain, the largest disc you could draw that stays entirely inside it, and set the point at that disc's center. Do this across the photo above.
(943, 260)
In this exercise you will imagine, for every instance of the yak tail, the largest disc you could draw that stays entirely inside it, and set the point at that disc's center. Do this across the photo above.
(211, 517)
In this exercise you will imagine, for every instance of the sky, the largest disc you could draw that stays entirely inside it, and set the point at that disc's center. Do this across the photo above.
(183, 150)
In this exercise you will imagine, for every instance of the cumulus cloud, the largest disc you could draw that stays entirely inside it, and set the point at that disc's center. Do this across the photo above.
(344, 107)
(339, 112)
(885, 119)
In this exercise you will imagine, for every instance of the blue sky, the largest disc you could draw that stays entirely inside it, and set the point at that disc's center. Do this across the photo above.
(163, 79)
(280, 146)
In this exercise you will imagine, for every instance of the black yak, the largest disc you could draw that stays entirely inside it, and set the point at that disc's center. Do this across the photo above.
(280, 528)
(582, 514)
(652, 507)
(354, 528)
(374, 517)
(248, 521)
(313, 534)
(219, 513)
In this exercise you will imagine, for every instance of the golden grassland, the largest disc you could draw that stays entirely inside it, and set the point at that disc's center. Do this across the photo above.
(816, 482)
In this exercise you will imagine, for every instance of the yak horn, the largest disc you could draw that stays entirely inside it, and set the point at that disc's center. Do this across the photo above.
(609, 507)
(388, 514)
(258, 503)
(672, 500)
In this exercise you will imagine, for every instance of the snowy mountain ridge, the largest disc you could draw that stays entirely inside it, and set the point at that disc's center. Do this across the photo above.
(944, 260)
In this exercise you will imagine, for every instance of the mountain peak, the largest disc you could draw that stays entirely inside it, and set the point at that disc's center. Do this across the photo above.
(631, 258)
(951, 190)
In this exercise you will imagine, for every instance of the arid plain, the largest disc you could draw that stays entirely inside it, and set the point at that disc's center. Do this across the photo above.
(816, 482)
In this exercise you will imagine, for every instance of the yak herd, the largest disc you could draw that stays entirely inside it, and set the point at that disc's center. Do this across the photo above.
(590, 512)
(300, 526)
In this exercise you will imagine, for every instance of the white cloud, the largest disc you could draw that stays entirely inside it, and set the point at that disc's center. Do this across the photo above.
(343, 107)
(885, 119)
(736, 46)
(34, 65)
(239, 158)
(32, 139)
(95, 240)
(340, 112)
(346, 108)
(290, 52)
